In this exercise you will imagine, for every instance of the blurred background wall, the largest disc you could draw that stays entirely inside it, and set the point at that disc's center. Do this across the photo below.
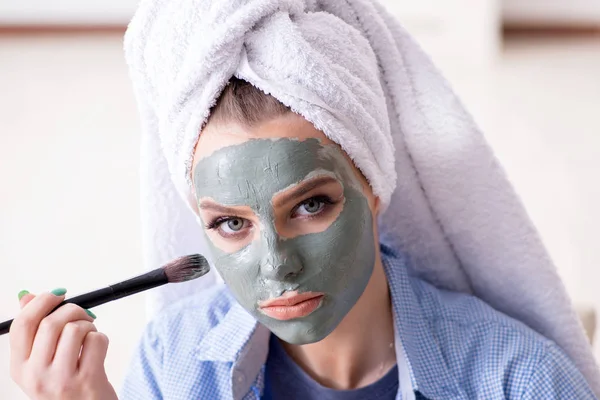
(528, 70)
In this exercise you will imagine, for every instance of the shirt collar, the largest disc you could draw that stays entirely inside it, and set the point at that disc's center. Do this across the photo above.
(240, 340)
(429, 372)
(228, 339)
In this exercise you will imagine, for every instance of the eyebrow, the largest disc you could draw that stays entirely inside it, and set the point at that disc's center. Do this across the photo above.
(301, 189)
(209, 205)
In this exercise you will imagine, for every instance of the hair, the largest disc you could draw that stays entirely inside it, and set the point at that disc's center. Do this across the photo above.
(243, 103)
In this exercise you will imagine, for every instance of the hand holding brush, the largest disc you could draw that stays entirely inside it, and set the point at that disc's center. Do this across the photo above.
(56, 351)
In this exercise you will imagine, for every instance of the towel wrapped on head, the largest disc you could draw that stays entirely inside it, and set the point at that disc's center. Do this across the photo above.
(348, 67)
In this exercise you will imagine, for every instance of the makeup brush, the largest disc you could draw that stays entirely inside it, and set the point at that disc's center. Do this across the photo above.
(179, 270)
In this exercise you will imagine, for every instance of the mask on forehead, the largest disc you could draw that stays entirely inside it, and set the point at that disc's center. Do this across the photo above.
(337, 260)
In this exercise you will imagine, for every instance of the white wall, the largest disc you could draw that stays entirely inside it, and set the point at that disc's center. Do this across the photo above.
(453, 32)
(69, 214)
(66, 11)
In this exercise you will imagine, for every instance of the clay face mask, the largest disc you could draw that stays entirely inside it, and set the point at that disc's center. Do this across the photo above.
(313, 257)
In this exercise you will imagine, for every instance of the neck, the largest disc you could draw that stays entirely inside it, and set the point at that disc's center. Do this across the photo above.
(361, 348)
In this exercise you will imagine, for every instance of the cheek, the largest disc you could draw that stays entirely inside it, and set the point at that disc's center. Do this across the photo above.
(326, 249)
(240, 273)
(345, 247)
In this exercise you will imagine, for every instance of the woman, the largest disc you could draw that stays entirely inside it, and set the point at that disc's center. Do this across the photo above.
(292, 224)
(316, 304)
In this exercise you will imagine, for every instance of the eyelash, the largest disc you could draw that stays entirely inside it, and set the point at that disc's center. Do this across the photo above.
(215, 223)
(326, 200)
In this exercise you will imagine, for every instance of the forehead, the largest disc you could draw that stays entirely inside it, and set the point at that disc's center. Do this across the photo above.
(257, 169)
(220, 135)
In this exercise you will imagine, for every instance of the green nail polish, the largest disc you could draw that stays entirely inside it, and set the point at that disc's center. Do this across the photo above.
(91, 314)
(22, 293)
(59, 291)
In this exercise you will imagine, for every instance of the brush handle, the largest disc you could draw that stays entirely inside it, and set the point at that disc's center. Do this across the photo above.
(117, 291)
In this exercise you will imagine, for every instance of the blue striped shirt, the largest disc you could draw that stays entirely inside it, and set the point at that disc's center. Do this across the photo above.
(456, 347)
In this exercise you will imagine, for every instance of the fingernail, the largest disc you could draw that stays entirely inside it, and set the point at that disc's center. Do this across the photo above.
(22, 293)
(59, 291)
(91, 314)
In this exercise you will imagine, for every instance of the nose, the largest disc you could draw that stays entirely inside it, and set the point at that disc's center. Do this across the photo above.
(283, 271)
(280, 264)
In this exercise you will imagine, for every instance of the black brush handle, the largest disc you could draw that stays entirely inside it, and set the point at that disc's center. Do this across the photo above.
(117, 291)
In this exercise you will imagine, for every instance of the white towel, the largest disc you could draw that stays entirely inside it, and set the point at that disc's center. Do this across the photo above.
(351, 69)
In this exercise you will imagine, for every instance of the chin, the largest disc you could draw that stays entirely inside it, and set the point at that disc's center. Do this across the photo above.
(303, 331)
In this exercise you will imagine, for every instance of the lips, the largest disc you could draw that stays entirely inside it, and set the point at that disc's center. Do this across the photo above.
(291, 305)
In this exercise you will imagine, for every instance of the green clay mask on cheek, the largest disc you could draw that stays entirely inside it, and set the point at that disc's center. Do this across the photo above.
(337, 261)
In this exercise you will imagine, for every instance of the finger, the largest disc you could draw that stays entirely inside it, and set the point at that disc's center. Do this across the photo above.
(25, 325)
(69, 345)
(50, 329)
(93, 354)
(25, 297)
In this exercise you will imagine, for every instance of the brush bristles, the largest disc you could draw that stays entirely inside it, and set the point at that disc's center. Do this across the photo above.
(186, 268)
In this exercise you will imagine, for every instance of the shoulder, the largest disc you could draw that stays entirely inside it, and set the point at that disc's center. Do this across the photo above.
(166, 362)
(491, 352)
(466, 311)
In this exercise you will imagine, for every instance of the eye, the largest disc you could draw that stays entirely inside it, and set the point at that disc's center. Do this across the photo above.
(233, 225)
(312, 206)
(230, 227)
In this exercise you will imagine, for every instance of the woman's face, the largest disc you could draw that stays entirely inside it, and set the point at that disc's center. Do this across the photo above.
(290, 223)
